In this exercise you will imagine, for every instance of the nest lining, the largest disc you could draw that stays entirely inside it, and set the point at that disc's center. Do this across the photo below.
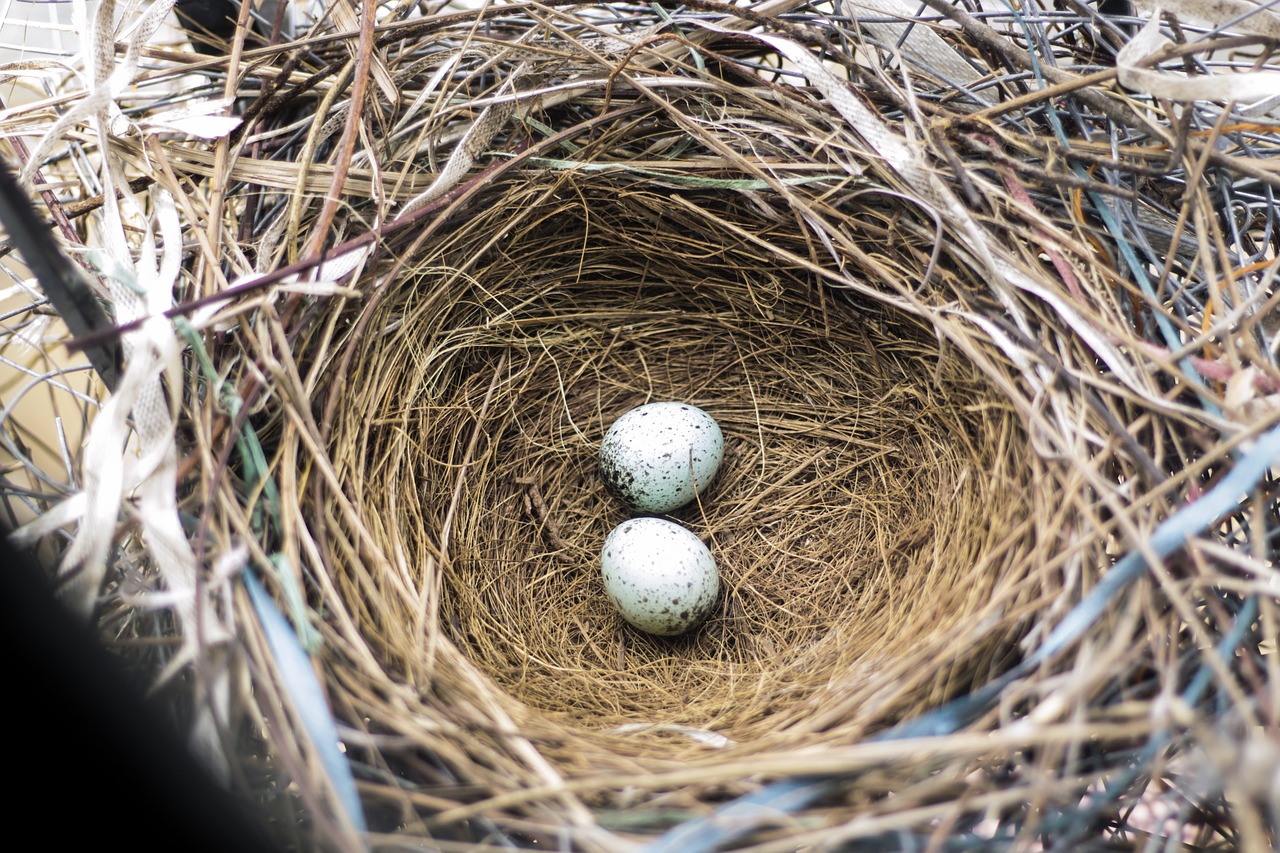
(867, 469)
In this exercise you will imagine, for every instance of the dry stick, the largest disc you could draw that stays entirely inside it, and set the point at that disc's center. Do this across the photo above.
(56, 209)
(170, 179)
(76, 209)
(537, 507)
(1056, 90)
(985, 145)
(1193, 186)
(346, 147)
(305, 158)
(1023, 198)
(222, 151)
(253, 197)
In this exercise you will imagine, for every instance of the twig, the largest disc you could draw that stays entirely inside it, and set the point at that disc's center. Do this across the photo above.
(543, 514)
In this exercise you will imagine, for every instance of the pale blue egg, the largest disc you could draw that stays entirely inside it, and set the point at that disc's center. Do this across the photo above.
(658, 457)
(660, 576)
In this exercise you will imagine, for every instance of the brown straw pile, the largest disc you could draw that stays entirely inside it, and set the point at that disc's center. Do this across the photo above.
(981, 304)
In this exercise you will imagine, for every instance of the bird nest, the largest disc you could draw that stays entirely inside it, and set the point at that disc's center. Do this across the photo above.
(870, 469)
(980, 304)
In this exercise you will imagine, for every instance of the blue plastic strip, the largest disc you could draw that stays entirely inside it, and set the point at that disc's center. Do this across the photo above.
(304, 688)
(740, 816)
(1189, 521)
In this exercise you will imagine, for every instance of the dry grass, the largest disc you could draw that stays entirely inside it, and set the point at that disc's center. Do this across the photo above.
(855, 455)
(968, 351)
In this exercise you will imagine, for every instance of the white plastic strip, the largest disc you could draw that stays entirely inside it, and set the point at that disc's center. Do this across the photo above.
(1243, 87)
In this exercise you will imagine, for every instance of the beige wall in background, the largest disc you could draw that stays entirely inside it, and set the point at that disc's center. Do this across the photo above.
(45, 419)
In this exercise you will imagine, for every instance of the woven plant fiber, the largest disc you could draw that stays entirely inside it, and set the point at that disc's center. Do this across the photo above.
(982, 303)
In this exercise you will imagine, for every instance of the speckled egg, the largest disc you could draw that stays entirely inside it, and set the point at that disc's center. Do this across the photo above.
(652, 456)
(661, 577)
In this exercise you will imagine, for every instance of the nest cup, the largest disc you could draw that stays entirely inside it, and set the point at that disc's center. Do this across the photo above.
(868, 507)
